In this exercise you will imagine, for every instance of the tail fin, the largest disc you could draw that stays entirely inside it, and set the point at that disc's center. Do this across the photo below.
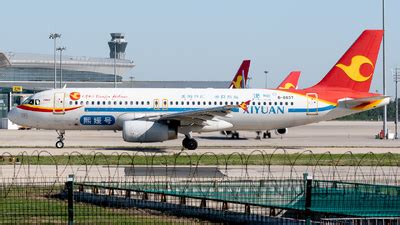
(290, 81)
(240, 79)
(356, 67)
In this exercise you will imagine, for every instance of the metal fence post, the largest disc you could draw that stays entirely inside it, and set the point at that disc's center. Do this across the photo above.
(70, 196)
(308, 193)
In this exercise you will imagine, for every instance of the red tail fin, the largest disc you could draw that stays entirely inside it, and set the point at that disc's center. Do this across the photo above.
(290, 81)
(356, 67)
(240, 79)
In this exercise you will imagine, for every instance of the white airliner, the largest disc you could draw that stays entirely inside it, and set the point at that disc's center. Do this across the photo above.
(155, 115)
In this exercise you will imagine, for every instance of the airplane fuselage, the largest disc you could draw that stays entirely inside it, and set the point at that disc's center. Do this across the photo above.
(108, 108)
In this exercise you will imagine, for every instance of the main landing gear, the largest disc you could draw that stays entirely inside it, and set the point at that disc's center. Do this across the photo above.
(189, 142)
(60, 142)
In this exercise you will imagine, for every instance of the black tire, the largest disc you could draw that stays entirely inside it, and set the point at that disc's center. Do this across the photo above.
(191, 144)
(185, 142)
(265, 135)
(59, 144)
(269, 134)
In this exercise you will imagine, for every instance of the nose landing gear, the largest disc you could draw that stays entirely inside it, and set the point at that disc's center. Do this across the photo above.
(60, 142)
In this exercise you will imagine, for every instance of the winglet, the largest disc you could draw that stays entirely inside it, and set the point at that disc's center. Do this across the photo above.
(244, 105)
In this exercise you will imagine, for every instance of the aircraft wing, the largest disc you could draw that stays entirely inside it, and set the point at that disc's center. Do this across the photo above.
(195, 115)
(356, 103)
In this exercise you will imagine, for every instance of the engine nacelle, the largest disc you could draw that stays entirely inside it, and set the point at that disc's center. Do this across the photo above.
(147, 131)
(281, 131)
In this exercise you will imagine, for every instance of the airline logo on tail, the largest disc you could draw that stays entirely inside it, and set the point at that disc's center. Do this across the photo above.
(354, 72)
(287, 86)
(244, 106)
(240, 79)
(238, 82)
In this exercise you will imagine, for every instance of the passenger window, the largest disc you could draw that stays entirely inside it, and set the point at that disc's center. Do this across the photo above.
(87, 102)
(70, 102)
(109, 102)
(280, 103)
(231, 103)
(120, 102)
(264, 103)
(187, 103)
(171, 103)
(98, 102)
(92, 102)
(126, 102)
(137, 102)
(215, 103)
(148, 103)
(76, 102)
(81, 102)
(237, 103)
(193, 103)
(131, 102)
(254, 103)
(275, 103)
(209, 103)
(286, 103)
(198, 103)
(204, 103)
(176, 103)
(220, 103)
(142, 102)
(104, 102)
(226, 103)
(259, 103)
(182, 103)
(291, 103)
(270, 103)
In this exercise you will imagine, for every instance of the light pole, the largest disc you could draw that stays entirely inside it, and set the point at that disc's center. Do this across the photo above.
(266, 79)
(61, 49)
(54, 36)
(383, 68)
(396, 77)
(131, 80)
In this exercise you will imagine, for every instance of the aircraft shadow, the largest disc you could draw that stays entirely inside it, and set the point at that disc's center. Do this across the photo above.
(221, 138)
(135, 149)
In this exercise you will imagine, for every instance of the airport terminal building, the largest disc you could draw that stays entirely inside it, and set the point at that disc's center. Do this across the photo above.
(22, 74)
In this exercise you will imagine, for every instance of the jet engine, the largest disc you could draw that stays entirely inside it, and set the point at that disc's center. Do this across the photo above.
(281, 131)
(147, 131)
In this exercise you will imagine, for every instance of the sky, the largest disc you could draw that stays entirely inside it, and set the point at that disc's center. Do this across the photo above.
(208, 39)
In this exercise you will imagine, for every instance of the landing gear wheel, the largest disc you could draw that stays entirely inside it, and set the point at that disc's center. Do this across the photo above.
(59, 144)
(235, 135)
(189, 143)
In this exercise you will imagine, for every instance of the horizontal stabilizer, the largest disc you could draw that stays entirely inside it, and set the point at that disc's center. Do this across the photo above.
(360, 103)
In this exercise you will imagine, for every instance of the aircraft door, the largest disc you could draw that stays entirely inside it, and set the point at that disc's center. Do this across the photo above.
(164, 104)
(312, 103)
(59, 103)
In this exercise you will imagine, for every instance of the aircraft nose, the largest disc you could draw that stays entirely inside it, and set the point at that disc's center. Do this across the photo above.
(13, 115)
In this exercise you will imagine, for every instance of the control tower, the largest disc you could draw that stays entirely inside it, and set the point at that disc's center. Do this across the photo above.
(117, 45)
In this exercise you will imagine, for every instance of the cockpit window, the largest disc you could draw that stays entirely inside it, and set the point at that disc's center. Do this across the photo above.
(26, 101)
(30, 101)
